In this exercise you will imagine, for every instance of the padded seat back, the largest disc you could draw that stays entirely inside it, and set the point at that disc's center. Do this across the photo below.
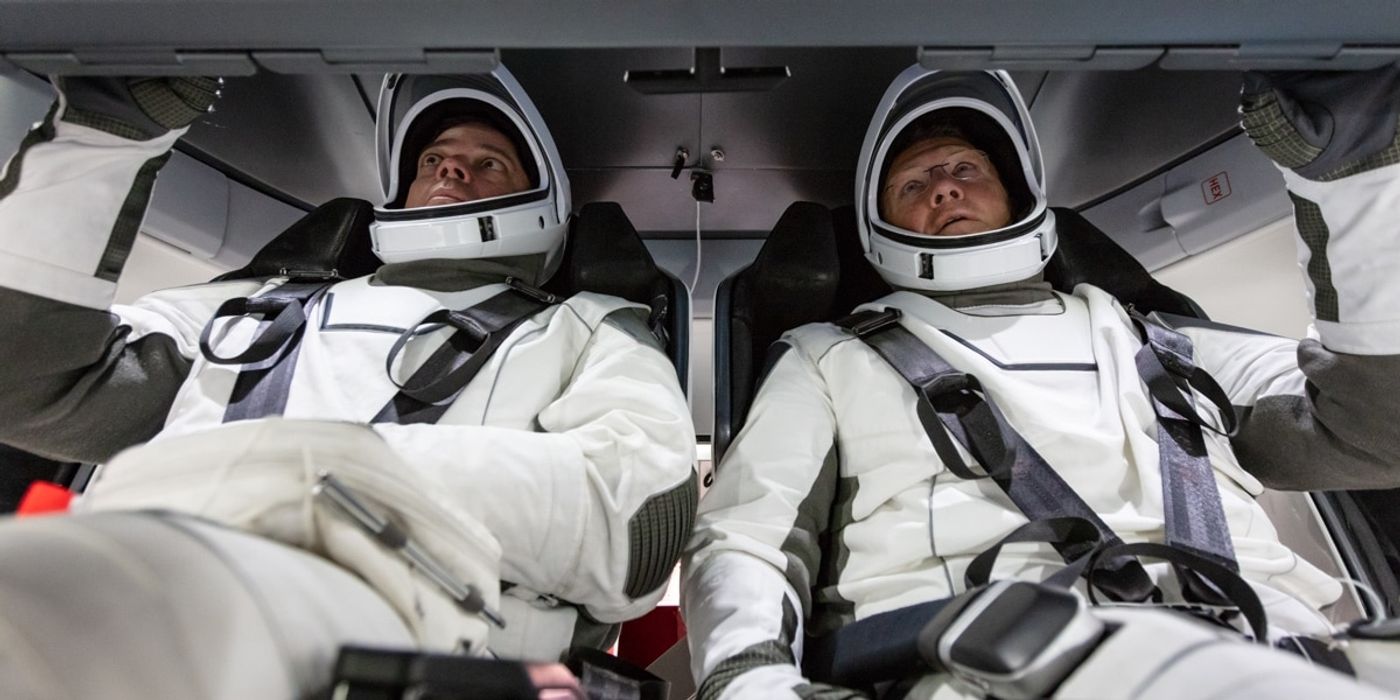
(794, 280)
(334, 237)
(812, 268)
(604, 254)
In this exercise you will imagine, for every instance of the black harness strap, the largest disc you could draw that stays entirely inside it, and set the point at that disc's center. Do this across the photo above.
(481, 329)
(1195, 519)
(885, 646)
(270, 359)
(950, 401)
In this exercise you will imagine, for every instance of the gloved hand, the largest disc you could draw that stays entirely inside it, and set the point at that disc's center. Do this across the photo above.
(138, 108)
(1324, 125)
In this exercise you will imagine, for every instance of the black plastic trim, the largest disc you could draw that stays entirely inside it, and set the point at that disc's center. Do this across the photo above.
(1028, 366)
(1228, 134)
(724, 392)
(1340, 515)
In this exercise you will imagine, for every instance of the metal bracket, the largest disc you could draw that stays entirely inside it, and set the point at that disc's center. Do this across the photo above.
(1038, 57)
(379, 61)
(134, 62)
(706, 75)
(1282, 56)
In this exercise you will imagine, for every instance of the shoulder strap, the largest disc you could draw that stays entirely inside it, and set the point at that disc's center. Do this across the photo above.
(261, 387)
(1194, 515)
(951, 402)
(481, 329)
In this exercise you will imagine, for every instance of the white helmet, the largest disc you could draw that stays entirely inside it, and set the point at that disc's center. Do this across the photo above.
(411, 107)
(988, 106)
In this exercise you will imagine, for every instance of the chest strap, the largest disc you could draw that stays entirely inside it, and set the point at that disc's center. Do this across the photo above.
(480, 331)
(270, 359)
(952, 403)
(1194, 516)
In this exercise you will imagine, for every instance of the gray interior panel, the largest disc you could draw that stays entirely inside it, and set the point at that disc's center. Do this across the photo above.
(1099, 130)
(1134, 220)
(1216, 195)
(308, 137)
(24, 99)
(99, 26)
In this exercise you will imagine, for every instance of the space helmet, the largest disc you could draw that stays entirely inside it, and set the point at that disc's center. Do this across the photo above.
(412, 111)
(987, 108)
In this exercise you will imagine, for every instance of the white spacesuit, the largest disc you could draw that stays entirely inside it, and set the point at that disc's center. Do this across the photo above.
(832, 506)
(554, 482)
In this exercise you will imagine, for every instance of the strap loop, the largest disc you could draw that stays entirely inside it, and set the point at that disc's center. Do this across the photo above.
(1229, 584)
(288, 302)
(479, 332)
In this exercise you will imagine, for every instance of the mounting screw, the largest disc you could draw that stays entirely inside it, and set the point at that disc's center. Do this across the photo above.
(717, 154)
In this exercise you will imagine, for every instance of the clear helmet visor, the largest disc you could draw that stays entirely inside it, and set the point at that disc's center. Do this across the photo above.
(413, 110)
(986, 110)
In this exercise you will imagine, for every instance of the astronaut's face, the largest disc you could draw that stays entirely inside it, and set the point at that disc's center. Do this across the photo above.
(464, 163)
(944, 186)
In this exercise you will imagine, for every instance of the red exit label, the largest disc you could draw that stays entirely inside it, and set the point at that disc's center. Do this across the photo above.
(1216, 187)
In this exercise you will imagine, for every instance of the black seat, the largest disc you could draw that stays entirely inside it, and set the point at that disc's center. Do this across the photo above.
(605, 254)
(812, 268)
(332, 238)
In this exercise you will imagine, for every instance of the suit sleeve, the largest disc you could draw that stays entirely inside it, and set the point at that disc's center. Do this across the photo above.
(81, 380)
(755, 557)
(594, 508)
(1321, 413)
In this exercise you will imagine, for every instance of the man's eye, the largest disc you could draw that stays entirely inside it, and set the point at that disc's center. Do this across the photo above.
(492, 164)
(965, 170)
(912, 187)
(431, 159)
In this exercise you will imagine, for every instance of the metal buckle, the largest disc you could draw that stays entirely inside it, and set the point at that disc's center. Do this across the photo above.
(876, 322)
(293, 274)
(534, 293)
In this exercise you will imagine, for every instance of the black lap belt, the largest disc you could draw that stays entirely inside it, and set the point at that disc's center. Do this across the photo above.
(950, 401)
(480, 331)
(1195, 518)
(270, 359)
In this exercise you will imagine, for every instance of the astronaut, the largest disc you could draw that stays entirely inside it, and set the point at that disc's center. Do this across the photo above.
(544, 493)
(837, 502)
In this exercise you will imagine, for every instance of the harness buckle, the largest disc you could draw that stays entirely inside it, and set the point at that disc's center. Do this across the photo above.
(533, 292)
(294, 274)
(874, 321)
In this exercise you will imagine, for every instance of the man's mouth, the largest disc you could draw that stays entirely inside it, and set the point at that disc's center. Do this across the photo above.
(949, 222)
(444, 197)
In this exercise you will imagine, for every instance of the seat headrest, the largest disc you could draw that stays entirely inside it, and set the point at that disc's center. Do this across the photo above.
(795, 276)
(333, 236)
(860, 282)
(1086, 254)
(605, 254)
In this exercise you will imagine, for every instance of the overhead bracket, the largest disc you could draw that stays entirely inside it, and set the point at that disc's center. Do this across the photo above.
(379, 61)
(1038, 57)
(134, 62)
(707, 75)
(1280, 56)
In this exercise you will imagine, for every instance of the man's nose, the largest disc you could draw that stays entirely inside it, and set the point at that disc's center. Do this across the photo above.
(453, 168)
(944, 187)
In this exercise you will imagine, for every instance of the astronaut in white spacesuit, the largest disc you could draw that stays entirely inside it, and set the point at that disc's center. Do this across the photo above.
(535, 452)
(853, 489)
